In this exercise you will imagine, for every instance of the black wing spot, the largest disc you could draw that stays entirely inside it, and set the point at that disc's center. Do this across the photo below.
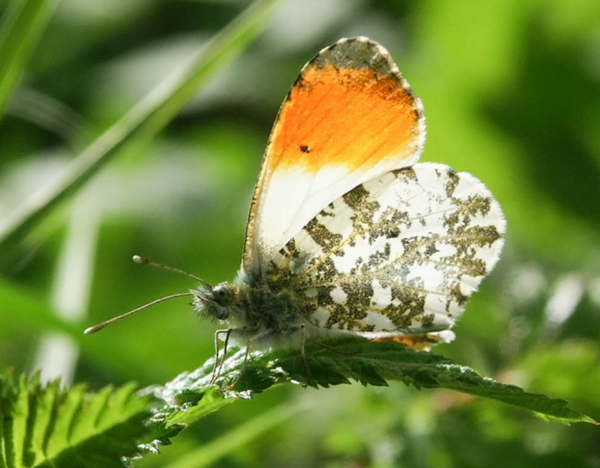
(305, 148)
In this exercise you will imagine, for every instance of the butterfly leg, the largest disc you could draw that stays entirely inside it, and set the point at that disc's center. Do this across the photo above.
(246, 355)
(244, 365)
(303, 356)
(265, 336)
(224, 352)
(216, 373)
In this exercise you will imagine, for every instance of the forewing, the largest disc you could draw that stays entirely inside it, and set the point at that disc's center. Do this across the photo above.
(400, 253)
(349, 117)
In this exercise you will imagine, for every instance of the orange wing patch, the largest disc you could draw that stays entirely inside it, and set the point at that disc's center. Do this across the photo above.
(416, 342)
(344, 116)
(349, 117)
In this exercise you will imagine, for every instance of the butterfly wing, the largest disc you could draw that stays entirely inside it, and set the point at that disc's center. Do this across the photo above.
(400, 253)
(349, 117)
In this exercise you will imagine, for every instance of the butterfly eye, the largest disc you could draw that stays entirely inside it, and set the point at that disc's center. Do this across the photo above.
(223, 295)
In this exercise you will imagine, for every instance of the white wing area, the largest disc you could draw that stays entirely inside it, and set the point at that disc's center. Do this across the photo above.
(294, 196)
(399, 254)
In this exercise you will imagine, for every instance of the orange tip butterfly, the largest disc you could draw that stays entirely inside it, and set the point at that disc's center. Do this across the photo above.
(347, 233)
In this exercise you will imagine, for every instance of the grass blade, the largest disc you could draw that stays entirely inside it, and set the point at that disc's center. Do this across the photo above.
(211, 453)
(23, 24)
(143, 121)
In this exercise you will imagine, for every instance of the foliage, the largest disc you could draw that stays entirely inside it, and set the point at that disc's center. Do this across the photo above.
(364, 361)
(50, 426)
(47, 426)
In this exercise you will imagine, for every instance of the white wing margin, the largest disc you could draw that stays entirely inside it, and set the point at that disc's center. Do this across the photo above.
(399, 254)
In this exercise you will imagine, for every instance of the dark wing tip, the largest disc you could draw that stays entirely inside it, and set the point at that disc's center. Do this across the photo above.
(358, 53)
(363, 53)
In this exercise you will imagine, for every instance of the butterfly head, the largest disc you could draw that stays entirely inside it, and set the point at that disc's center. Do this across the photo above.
(218, 302)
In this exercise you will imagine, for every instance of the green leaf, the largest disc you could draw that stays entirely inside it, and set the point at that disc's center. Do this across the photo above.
(46, 426)
(22, 26)
(191, 396)
(142, 122)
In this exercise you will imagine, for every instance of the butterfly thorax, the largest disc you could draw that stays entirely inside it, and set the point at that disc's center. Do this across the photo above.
(250, 307)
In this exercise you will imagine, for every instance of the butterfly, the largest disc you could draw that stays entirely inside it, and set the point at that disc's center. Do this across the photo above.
(347, 233)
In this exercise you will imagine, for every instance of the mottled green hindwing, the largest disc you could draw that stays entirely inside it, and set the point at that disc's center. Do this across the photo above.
(398, 254)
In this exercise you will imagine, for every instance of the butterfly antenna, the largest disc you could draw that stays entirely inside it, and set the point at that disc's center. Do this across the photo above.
(144, 261)
(100, 326)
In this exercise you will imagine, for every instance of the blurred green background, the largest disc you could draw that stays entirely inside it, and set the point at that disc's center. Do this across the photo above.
(511, 90)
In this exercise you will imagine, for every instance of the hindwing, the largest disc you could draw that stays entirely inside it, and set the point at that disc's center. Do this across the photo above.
(398, 254)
